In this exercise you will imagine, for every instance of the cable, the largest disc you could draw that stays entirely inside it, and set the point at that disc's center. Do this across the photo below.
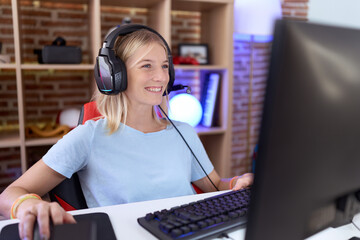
(225, 235)
(188, 147)
(355, 225)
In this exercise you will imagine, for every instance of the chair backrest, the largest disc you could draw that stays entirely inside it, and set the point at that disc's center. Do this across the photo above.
(69, 193)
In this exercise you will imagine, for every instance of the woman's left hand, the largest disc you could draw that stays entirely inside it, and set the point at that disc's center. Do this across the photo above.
(243, 181)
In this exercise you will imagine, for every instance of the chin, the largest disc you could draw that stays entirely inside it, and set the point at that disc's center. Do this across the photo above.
(158, 102)
(155, 101)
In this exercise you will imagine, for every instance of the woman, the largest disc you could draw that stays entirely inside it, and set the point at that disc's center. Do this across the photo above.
(128, 155)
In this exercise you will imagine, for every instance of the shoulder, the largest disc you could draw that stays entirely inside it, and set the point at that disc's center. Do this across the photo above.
(184, 127)
(89, 127)
(99, 123)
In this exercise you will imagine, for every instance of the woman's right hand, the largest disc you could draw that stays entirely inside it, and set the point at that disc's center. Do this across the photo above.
(33, 210)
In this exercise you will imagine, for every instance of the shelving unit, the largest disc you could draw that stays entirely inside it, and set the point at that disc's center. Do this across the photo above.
(57, 67)
(216, 31)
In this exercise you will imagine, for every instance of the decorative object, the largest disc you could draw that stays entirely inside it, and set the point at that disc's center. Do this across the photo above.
(69, 117)
(185, 108)
(185, 60)
(197, 51)
(209, 98)
(4, 58)
(49, 130)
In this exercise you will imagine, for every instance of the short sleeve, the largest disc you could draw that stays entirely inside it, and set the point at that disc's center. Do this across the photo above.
(70, 153)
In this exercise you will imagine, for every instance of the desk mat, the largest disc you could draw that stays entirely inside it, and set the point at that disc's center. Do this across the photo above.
(104, 229)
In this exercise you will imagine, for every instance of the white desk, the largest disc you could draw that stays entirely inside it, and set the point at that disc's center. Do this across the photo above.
(124, 219)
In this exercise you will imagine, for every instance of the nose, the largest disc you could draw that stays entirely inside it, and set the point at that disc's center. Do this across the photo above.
(161, 74)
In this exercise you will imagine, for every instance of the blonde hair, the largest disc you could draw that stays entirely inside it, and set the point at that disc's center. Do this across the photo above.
(115, 107)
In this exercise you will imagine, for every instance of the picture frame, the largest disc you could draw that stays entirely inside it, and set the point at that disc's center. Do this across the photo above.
(198, 51)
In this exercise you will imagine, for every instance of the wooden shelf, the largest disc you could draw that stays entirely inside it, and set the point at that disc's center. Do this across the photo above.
(12, 139)
(198, 5)
(202, 131)
(7, 66)
(57, 66)
(216, 24)
(67, 1)
(41, 141)
(9, 139)
(132, 3)
(200, 67)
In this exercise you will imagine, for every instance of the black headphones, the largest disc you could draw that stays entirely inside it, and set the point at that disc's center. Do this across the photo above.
(110, 70)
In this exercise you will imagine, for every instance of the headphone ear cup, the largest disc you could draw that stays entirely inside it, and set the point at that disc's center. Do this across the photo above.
(119, 76)
(110, 74)
(102, 74)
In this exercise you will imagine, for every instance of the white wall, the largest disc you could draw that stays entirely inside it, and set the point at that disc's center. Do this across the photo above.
(335, 12)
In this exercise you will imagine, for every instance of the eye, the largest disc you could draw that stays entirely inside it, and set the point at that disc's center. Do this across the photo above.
(146, 66)
(165, 66)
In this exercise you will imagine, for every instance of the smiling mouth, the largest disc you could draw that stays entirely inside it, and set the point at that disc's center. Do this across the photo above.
(154, 89)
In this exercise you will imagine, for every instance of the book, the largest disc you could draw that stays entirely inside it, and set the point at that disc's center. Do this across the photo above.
(209, 98)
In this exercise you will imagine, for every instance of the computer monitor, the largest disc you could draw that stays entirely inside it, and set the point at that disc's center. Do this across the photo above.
(307, 171)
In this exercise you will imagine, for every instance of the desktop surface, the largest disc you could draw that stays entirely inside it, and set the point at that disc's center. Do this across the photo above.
(124, 219)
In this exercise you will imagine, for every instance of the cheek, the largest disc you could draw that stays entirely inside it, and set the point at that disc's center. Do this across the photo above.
(135, 79)
(167, 75)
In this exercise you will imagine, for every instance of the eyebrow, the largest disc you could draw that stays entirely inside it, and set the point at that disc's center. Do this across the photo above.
(149, 60)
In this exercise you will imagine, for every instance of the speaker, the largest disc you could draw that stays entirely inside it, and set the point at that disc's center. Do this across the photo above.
(110, 70)
(59, 53)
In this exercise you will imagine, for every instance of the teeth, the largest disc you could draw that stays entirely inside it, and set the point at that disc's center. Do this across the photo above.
(154, 89)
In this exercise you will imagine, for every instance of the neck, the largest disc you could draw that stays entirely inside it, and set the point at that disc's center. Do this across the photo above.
(144, 121)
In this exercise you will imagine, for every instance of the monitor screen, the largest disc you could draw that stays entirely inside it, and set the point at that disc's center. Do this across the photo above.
(307, 171)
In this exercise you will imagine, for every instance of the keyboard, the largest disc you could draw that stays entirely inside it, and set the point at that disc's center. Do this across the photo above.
(200, 219)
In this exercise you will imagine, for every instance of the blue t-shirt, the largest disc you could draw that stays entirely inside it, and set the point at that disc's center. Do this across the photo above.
(129, 165)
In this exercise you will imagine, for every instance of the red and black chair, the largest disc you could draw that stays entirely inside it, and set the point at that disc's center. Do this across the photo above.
(69, 193)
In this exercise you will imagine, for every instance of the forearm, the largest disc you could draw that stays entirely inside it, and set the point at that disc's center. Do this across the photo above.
(224, 184)
(8, 197)
(242, 181)
(39, 179)
(238, 182)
